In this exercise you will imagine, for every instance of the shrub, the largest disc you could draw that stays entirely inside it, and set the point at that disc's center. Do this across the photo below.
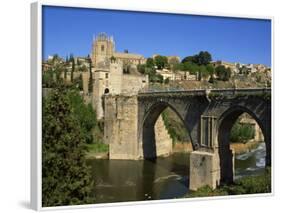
(242, 132)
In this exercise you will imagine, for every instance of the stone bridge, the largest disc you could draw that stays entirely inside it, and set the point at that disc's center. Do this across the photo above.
(208, 116)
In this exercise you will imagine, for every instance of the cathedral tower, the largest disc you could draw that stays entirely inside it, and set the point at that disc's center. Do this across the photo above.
(102, 50)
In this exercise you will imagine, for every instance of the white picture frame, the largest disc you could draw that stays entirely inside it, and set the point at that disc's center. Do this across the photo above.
(36, 100)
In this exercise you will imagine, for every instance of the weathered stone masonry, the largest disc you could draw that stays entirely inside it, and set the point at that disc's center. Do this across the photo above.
(207, 115)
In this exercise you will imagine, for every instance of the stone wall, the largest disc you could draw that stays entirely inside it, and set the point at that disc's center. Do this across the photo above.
(204, 169)
(133, 83)
(85, 80)
(120, 129)
(164, 143)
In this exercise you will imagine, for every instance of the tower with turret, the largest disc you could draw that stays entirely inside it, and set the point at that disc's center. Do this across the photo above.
(103, 48)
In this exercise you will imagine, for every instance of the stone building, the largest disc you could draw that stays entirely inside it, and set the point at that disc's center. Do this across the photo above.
(112, 80)
(103, 51)
(108, 73)
(233, 67)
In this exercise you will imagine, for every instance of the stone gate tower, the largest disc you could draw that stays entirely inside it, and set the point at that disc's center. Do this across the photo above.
(102, 49)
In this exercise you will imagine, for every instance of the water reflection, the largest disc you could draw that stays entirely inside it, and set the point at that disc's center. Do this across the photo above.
(164, 178)
(251, 163)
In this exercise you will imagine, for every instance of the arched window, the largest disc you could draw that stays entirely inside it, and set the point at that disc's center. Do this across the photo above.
(102, 48)
(106, 91)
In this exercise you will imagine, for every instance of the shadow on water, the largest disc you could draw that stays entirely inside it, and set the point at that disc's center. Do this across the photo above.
(129, 180)
(161, 178)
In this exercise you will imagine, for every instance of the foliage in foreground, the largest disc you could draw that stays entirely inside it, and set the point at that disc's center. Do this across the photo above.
(65, 176)
(246, 185)
(83, 113)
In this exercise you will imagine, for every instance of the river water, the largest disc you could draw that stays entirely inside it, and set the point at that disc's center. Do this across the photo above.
(164, 178)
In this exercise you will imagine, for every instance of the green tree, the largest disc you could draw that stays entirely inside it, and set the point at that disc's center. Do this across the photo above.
(72, 70)
(242, 132)
(91, 83)
(141, 68)
(203, 58)
(160, 61)
(79, 82)
(223, 73)
(48, 79)
(83, 113)
(203, 72)
(166, 81)
(210, 68)
(188, 59)
(150, 63)
(65, 176)
(191, 67)
(64, 73)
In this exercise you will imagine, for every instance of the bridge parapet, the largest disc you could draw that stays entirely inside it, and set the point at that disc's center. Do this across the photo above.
(209, 93)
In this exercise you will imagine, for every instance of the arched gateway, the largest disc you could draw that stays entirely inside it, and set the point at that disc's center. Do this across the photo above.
(207, 115)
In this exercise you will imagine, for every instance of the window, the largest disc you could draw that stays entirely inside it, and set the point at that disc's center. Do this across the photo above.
(102, 48)
(106, 75)
(106, 91)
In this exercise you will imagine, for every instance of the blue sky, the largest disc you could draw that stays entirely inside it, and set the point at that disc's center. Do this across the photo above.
(70, 30)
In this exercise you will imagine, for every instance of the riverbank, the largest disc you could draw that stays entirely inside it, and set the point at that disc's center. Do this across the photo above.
(246, 185)
(97, 151)
(101, 151)
(241, 148)
(184, 147)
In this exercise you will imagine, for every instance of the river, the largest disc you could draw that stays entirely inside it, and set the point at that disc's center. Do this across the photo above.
(164, 178)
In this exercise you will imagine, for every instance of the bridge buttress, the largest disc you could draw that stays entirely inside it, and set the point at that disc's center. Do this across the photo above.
(205, 162)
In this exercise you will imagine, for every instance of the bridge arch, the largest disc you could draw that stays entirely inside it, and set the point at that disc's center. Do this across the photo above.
(147, 131)
(225, 124)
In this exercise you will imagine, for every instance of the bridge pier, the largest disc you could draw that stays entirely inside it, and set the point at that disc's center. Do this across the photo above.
(205, 162)
(204, 169)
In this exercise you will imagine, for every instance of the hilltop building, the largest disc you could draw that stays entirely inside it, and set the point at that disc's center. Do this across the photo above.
(103, 51)
(108, 72)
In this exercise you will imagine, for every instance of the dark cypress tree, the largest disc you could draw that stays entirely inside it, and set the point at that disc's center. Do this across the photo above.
(72, 70)
(65, 73)
(65, 175)
(90, 85)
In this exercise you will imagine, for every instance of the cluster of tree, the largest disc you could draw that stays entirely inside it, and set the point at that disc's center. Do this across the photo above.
(58, 73)
(198, 64)
(150, 70)
(223, 73)
(66, 131)
(202, 58)
(242, 132)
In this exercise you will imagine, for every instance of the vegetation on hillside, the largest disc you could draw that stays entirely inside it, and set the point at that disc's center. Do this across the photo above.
(175, 126)
(198, 65)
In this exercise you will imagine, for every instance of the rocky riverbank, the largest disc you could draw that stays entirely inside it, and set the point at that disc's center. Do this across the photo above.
(241, 148)
(185, 147)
